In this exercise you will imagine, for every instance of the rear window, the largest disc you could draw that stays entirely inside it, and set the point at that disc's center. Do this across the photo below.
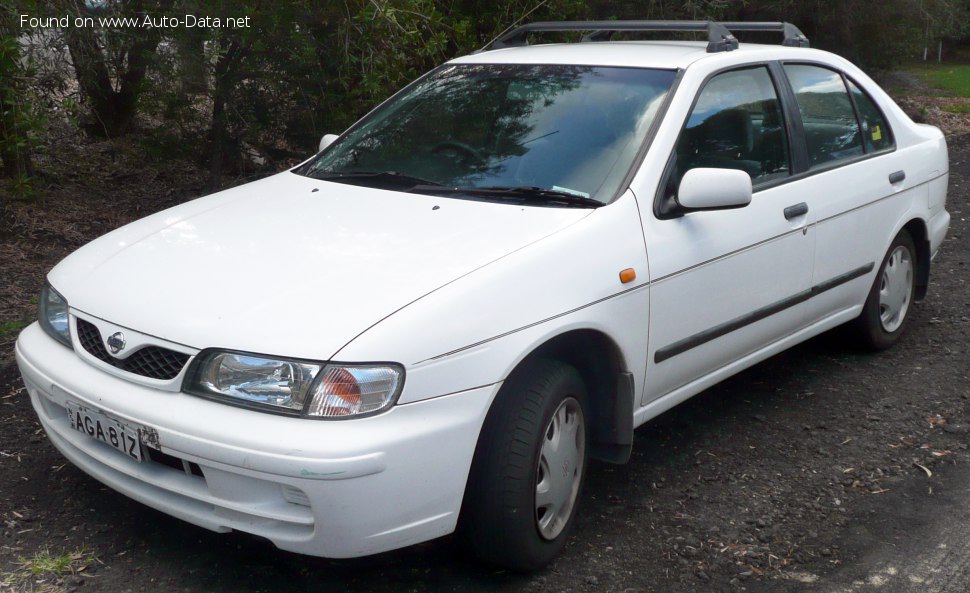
(831, 128)
(875, 131)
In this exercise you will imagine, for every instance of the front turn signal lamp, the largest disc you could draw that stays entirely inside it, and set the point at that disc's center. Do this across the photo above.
(295, 387)
(354, 390)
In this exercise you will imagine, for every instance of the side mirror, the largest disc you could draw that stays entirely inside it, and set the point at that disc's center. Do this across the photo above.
(714, 189)
(327, 141)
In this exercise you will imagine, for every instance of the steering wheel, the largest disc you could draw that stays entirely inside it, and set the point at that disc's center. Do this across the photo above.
(462, 150)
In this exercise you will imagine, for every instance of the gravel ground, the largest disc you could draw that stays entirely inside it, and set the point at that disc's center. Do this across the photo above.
(821, 469)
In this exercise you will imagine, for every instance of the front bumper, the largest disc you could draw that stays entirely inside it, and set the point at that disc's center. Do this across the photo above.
(328, 488)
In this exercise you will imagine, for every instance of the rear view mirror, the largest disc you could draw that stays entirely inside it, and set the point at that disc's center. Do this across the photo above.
(327, 141)
(714, 189)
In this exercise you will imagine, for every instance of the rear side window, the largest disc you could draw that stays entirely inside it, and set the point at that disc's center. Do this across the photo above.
(875, 131)
(831, 129)
(736, 123)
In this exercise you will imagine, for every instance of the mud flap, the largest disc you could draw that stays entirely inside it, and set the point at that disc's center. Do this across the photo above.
(613, 431)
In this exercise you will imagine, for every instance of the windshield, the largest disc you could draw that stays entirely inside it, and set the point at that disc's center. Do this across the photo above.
(569, 130)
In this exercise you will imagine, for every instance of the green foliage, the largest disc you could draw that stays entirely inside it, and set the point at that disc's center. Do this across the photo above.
(960, 108)
(44, 562)
(661, 10)
(390, 43)
(9, 329)
(260, 97)
(876, 34)
(39, 571)
(385, 44)
(305, 69)
(19, 119)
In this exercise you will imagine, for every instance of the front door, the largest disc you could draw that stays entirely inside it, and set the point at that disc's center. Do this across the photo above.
(726, 283)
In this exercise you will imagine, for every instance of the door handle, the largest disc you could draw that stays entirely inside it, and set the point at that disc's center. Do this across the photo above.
(896, 177)
(796, 210)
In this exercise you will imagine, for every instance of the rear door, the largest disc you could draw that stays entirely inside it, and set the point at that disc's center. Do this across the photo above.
(854, 181)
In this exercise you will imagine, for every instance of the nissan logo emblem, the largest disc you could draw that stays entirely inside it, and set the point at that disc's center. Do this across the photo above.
(116, 343)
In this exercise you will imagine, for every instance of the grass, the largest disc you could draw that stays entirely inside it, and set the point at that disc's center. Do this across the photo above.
(951, 79)
(9, 329)
(45, 562)
(961, 108)
(947, 86)
(42, 573)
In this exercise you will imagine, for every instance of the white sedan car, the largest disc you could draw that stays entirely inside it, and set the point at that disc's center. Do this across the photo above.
(493, 277)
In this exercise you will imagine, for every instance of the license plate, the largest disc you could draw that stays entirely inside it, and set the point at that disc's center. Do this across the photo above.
(105, 429)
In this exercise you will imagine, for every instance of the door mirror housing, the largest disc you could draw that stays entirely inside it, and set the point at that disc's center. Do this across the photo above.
(714, 189)
(327, 141)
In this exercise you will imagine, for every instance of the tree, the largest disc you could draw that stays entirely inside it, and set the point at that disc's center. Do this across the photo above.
(17, 119)
(111, 64)
(267, 91)
(875, 34)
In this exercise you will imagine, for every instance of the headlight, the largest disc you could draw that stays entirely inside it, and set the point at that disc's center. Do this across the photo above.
(53, 315)
(297, 387)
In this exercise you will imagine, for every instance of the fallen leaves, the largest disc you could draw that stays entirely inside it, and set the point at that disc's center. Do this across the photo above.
(929, 474)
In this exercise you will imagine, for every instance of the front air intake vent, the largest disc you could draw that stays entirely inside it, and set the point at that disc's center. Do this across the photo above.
(149, 361)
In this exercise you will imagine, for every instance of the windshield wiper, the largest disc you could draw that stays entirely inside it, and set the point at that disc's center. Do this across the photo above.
(394, 177)
(523, 193)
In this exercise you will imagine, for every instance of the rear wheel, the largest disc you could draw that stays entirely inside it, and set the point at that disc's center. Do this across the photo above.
(527, 476)
(891, 297)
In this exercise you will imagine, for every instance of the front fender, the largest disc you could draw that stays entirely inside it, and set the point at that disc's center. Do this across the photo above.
(474, 331)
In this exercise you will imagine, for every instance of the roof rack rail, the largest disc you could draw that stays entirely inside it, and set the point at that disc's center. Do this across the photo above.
(793, 37)
(719, 36)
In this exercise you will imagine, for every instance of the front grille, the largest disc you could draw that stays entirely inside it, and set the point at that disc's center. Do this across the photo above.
(151, 361)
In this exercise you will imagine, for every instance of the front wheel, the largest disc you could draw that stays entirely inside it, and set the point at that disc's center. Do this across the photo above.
(526, 479)
(891, 297)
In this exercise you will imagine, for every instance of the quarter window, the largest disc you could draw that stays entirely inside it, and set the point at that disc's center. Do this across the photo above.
(875, 131)
(737, 123)
(829, 121)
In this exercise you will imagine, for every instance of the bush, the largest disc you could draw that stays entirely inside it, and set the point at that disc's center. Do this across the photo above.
(19, 121)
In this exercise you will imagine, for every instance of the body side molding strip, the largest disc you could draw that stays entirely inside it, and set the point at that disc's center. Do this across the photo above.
(700, 338)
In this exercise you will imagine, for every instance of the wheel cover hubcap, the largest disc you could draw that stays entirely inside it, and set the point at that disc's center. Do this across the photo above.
(560, 468)
(895, 289)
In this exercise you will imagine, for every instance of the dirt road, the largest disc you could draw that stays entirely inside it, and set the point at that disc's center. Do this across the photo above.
(822, 469)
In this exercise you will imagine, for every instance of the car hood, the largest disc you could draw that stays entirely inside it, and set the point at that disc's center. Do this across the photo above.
(289, 265)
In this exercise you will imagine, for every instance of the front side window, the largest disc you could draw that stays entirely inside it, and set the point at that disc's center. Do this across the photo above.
(737, 123)
(829, 121)
(574, 130)
(875, 131)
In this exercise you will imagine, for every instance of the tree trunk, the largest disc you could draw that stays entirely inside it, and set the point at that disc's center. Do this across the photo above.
(14, 150)
(191, 61)
(226, 70)
(14, 141)
(113, 110)
(92, 76)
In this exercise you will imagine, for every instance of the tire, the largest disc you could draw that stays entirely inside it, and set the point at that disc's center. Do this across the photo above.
(884, 316)
(529, 467)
